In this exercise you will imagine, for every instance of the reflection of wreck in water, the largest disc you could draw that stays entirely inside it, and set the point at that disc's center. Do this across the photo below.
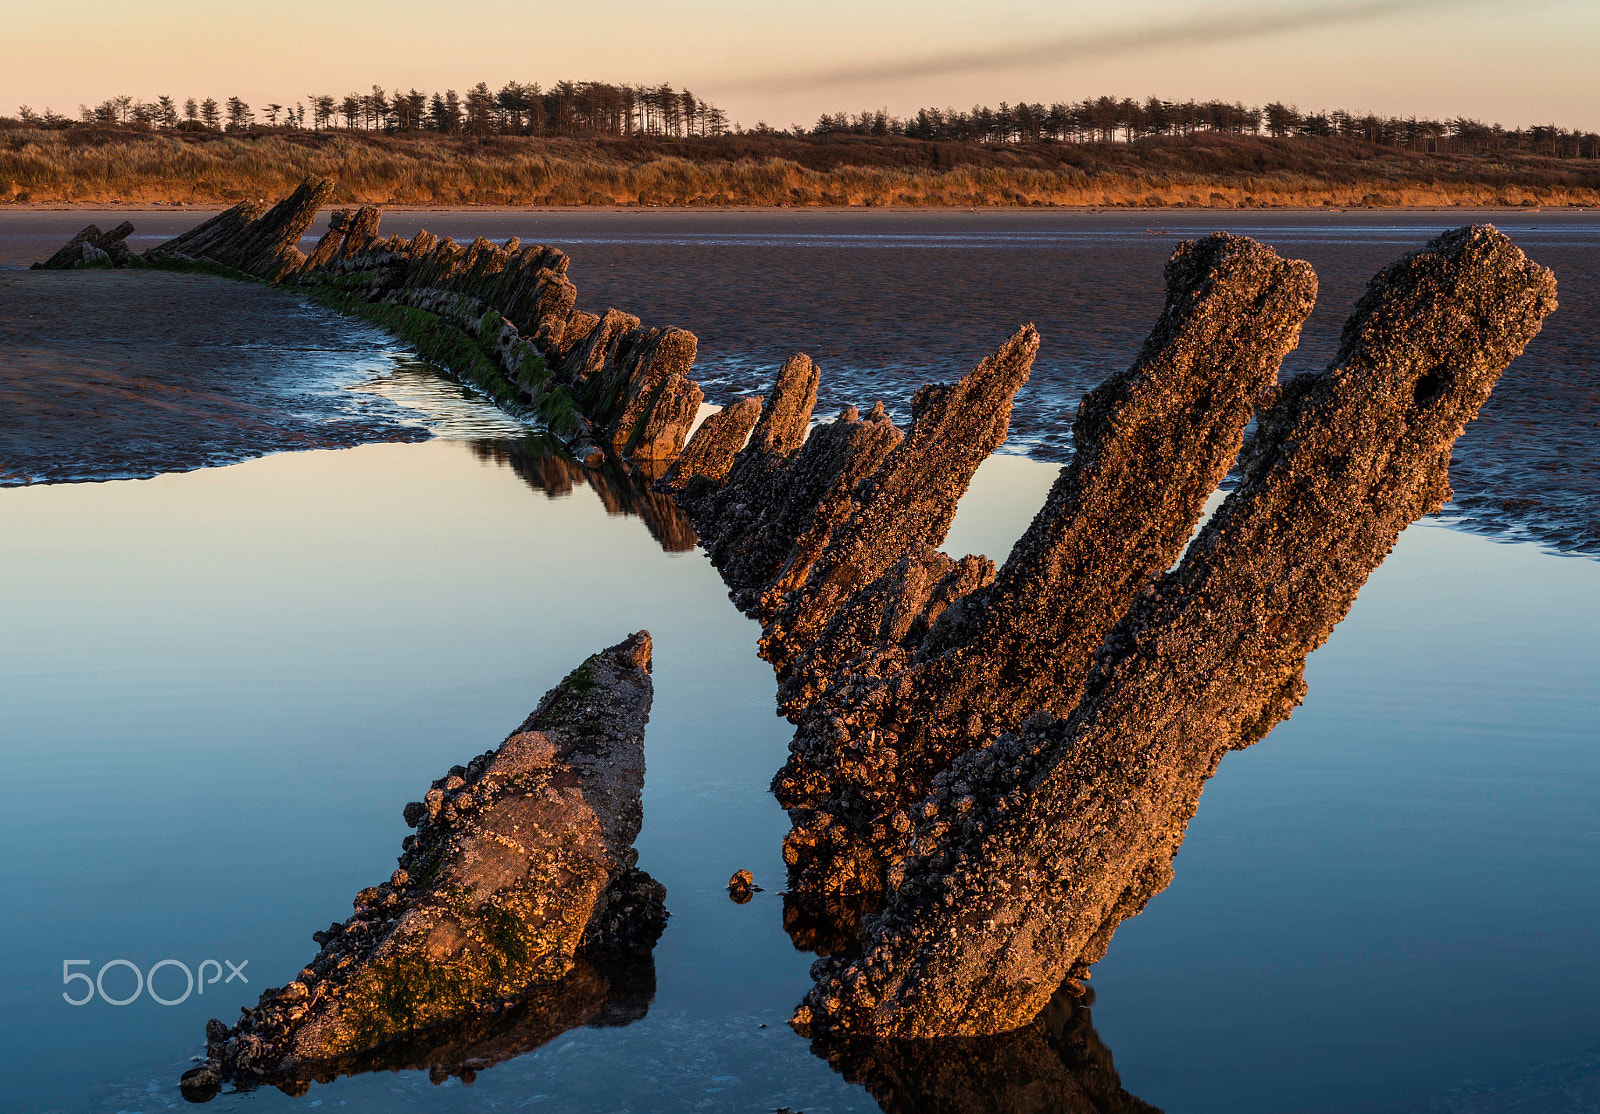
(827, 924)
(999, 764)
(601, 994)
(1056, 1064)
(545, 466)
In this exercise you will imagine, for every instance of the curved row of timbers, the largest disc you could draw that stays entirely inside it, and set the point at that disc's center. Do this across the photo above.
(994, 766)
(500, 316)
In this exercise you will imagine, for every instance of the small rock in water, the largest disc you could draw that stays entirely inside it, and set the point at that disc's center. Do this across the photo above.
(742, 886)
(201, 1084)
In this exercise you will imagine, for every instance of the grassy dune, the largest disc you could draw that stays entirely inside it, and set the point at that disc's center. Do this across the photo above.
(88, 166)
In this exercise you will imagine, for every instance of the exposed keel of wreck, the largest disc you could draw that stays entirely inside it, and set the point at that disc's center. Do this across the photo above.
(502, 317)
(1153, 443)
(517, 911)
(994, 767)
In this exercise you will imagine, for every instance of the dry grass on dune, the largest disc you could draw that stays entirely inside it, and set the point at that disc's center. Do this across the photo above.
(87, 166)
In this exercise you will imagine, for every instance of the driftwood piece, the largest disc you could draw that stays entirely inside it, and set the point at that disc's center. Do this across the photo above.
(328, 247)
(350, 231)
(776, 515)
(732, 510)
(659, 400)
(1030, 851)
(208, 234)
(787, 416)
(71, 251)
(362, 230)
(522, 869)
(267, 247)
(803, 523)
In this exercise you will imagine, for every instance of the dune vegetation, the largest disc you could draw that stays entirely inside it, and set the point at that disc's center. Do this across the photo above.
(99, 166)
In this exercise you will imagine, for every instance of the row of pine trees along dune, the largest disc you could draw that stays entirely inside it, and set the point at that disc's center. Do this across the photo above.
(601, 109)
(566, 109)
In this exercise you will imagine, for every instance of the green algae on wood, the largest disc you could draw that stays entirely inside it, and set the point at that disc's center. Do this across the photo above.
(522, 870)
(501, 318)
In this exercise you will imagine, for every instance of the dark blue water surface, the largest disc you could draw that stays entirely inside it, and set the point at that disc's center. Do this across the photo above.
(218, 689)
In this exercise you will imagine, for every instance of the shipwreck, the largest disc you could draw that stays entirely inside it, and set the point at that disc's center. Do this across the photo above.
(993, 767)
(502, 317)
(517, 910)
(994, 764)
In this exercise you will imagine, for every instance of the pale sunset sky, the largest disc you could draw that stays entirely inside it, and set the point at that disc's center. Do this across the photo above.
(1533, 61)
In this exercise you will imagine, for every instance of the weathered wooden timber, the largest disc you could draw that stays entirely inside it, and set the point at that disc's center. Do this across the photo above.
(519, 889)
(92, 248)
(1002, 865)
(502, 317)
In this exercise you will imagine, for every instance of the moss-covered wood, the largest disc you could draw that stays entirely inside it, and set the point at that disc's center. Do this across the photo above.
(521, 870)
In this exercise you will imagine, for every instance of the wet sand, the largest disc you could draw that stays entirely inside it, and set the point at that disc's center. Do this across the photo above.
(886, 301)
(889, 300)
(109, 375)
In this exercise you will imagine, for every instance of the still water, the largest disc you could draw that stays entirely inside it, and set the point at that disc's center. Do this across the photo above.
(218, 689)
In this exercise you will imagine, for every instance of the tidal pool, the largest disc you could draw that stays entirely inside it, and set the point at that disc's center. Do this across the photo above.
(220, 688)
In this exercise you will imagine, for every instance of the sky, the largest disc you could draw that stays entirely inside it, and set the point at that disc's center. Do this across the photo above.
(1514, 63)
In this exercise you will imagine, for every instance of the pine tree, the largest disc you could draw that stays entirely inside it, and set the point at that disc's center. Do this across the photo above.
(240, 118)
